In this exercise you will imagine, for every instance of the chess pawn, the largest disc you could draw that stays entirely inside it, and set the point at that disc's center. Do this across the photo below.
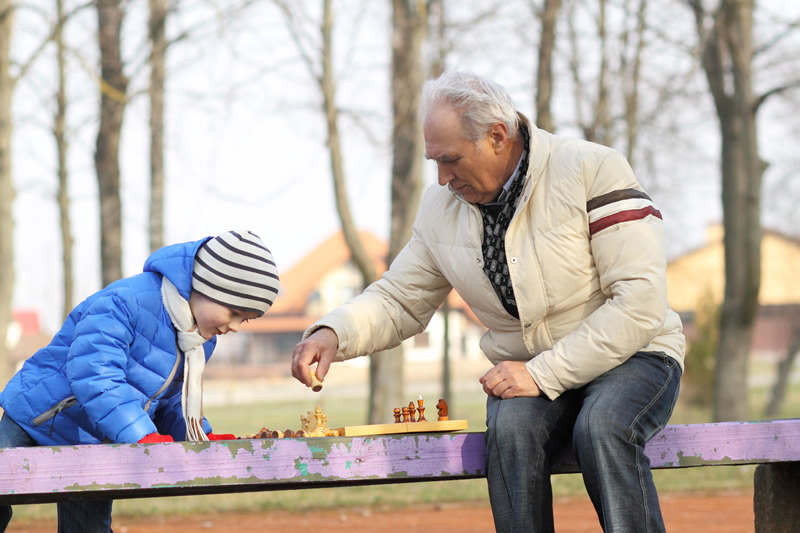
(411, 411)
(405, 414)
(316, 384)
(397, 413)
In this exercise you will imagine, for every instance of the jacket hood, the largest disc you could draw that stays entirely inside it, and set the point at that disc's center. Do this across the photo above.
(176, 263)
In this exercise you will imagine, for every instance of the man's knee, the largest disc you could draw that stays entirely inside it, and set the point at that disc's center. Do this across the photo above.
(515, 423)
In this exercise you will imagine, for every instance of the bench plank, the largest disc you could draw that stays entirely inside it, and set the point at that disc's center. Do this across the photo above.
(103, 471)
(45, 474)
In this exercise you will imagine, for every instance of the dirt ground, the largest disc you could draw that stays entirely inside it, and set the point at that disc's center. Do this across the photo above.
(720, 512)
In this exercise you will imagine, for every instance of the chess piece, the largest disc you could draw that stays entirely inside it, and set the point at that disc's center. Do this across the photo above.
(397, 415)
(308, 422)
(405, 414)
(421, 411)
(411, 411)
(316, 384)
(442, 407)
(318, 427)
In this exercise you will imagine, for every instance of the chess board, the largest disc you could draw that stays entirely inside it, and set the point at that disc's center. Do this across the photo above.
(402, 427)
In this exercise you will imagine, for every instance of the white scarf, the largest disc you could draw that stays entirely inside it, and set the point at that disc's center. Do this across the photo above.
(194, 359)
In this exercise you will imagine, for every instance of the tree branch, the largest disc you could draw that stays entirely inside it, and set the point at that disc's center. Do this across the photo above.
(775, 90)
(27, 64)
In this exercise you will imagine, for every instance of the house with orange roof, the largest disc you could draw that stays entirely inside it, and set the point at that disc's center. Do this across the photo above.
(697, 277)
(323, 280)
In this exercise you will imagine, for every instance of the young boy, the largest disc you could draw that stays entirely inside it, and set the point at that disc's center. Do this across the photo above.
(126, 366)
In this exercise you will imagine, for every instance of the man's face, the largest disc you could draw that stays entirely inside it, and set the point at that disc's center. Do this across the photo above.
(473, 170)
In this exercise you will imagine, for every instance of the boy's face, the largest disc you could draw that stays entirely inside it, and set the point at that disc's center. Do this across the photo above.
(216, 319)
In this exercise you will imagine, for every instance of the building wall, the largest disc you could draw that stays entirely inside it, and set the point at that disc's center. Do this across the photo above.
(700, 274)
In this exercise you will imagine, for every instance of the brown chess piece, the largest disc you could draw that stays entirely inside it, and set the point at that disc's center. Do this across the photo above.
(411, 411)
(397, 415)
(421, 411)
(405, 414)
(442, 407)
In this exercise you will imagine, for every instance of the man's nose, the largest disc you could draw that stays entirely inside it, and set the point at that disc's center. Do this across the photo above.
(233, 326)
(445, 174)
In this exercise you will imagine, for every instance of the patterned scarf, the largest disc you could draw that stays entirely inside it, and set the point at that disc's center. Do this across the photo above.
(496, 218)
(190, 343)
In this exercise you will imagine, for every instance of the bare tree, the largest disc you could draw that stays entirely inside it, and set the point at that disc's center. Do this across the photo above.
(113, 98)
(438, 38)
(409, 25)
(158, 52)
(544, 70)
(596, 126)
(60, 135)
(784, 374)
(7, 192)
(726, 54)
(324, 78)
(631, 74)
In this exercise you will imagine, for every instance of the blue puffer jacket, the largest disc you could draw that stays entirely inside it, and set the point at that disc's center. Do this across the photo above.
(112, 373)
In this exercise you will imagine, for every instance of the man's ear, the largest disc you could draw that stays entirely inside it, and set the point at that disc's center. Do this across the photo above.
(498, 134)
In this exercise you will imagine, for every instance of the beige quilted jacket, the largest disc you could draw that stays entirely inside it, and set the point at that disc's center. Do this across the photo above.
(586, 254)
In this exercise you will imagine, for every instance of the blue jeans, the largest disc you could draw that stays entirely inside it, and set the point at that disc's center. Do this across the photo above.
(608, 422)
(73, 517)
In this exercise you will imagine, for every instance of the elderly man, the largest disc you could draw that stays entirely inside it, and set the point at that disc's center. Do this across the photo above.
(560, 254)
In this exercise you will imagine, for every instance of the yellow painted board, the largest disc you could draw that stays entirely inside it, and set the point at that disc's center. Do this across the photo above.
(403, 427)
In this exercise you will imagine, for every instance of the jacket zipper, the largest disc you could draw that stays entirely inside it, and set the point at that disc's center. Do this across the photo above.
(170, 377)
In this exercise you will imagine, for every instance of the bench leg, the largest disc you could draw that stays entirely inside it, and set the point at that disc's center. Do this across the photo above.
(776, 497)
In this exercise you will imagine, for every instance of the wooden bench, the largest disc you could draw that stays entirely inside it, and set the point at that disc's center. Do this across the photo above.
(114, 471)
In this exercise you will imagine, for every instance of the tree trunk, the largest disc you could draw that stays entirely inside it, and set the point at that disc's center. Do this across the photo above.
(409, 23)
(438, 37)
(328, 87)
(438, 41)
(726, 56)
(158, 45)
(544, 71)
(7, 192)
(113, 88)
(631, 71)
(60, 134)
(784, 376)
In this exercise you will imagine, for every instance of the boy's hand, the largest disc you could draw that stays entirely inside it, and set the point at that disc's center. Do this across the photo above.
(155, 437)
(221, 436)
(319, 347)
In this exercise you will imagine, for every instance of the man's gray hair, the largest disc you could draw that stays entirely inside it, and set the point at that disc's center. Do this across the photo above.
(481, 102)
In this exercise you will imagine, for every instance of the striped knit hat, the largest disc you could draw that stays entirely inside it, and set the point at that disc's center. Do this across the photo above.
(236, 270)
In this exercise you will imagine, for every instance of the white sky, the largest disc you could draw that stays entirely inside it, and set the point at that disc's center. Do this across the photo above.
(245, 142)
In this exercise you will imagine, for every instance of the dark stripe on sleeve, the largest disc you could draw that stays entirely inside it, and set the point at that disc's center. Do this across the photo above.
(615, 196)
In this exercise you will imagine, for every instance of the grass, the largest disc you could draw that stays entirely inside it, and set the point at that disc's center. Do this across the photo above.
(247, 419)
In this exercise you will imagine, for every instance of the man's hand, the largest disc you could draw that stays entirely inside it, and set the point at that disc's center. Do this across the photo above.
(509, 379)
(319, 347)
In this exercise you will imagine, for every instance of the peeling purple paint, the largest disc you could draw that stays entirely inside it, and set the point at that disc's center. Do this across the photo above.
(52, 473)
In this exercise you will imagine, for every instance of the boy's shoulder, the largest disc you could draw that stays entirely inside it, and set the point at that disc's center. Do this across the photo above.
(140, 288)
